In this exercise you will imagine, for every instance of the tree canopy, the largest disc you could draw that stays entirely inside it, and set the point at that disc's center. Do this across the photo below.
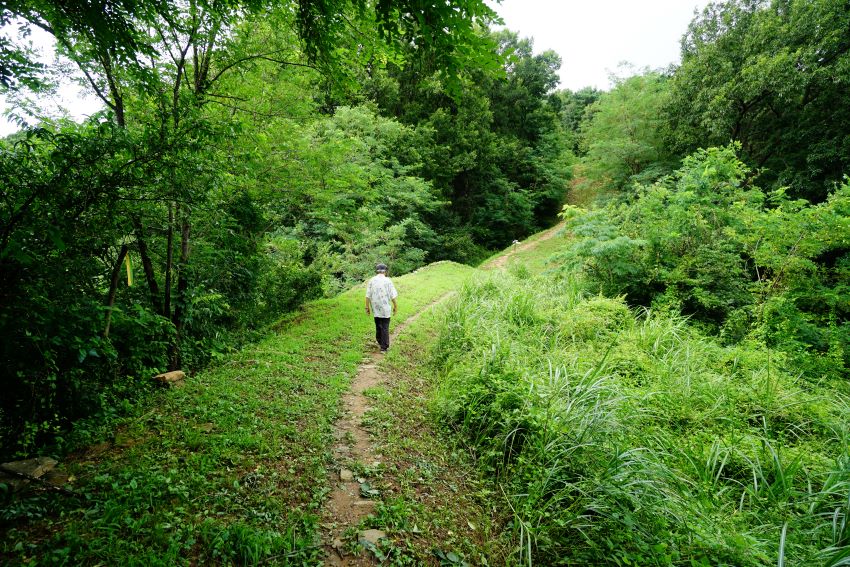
(240, 169)
(773, 76)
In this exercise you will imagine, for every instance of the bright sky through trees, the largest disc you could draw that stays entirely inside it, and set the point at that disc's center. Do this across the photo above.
(69, 95)
(592, 38)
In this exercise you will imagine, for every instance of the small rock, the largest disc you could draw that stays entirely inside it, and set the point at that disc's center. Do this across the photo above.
(337, 544)
(371, 536)
(170, 378)
(346, 475)
(57, 478)
(13, 482)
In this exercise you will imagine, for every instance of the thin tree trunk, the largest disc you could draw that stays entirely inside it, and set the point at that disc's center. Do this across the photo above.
(182, 288)
(147, 265)
(113, 288)
(169, 261)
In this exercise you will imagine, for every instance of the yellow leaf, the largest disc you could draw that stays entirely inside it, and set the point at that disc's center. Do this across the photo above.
(129, 270)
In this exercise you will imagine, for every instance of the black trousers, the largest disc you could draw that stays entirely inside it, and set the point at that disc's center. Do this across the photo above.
(382, 332)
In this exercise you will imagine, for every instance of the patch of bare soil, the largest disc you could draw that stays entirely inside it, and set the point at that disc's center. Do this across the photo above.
(347, 506)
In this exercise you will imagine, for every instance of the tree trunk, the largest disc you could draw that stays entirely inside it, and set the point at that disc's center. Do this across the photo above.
(113, 288)
(147, 265)
(182, 288)
(169, 262)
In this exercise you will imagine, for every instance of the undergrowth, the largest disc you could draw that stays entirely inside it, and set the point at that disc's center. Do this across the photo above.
(228, 469)
(627, 437)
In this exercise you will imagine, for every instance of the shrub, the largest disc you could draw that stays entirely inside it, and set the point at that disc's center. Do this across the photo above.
(737, 261)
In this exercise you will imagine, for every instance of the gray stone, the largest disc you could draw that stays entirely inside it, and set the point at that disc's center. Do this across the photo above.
(173, 378)
(56, 478)
(346, 475)
(15, 483)
(371, 536)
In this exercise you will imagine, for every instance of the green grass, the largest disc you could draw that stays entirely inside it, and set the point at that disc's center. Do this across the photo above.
(230, 468)
(525, 422)
(433, 503)
(629, 438)
(536, 258)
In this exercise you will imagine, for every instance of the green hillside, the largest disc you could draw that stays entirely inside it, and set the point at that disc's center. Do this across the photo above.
(624, 324)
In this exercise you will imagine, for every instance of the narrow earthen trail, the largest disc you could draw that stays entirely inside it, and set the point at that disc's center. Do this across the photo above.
(346, 507)
(502, 260)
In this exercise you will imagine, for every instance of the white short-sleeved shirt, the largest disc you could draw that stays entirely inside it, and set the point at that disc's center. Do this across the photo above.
(381, 291)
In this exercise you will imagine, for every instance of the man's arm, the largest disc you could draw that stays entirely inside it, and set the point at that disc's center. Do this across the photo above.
(368, 305)
(395, 306)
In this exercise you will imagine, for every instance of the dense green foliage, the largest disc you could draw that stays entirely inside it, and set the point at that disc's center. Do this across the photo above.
(770, 75)
(632, 437)
(773, 76)
(747, 241)
(237, 172)
(738, 261)
(622, 134)
(497, 151)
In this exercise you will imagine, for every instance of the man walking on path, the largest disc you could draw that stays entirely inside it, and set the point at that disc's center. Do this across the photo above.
(380, 293)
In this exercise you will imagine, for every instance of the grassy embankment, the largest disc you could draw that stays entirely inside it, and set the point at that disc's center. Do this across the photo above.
(229, 468)
(600, 435)
(622, 437)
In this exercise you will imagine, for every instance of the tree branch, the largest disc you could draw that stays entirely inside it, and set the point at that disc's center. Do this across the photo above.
(262, 56)
(253, 112)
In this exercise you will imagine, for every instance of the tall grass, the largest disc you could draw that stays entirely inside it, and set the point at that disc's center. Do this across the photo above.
(621, 437)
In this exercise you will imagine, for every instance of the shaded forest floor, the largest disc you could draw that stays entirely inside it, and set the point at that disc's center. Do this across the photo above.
(240, 464)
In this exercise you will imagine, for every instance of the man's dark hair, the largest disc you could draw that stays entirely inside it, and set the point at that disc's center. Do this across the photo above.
(381, 268)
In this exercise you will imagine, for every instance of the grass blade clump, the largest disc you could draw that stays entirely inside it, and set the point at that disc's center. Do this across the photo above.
(622, 437)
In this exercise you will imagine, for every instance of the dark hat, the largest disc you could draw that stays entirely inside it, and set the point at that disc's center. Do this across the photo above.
(381, 268)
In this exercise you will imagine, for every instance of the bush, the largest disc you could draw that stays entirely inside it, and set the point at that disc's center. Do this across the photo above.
(286, 282)
(735, 260)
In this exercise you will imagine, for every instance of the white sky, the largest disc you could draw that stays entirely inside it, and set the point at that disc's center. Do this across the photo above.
(593, 37)
(70, 98)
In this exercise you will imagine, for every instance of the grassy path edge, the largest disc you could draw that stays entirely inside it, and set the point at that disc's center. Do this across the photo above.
(229, 468)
